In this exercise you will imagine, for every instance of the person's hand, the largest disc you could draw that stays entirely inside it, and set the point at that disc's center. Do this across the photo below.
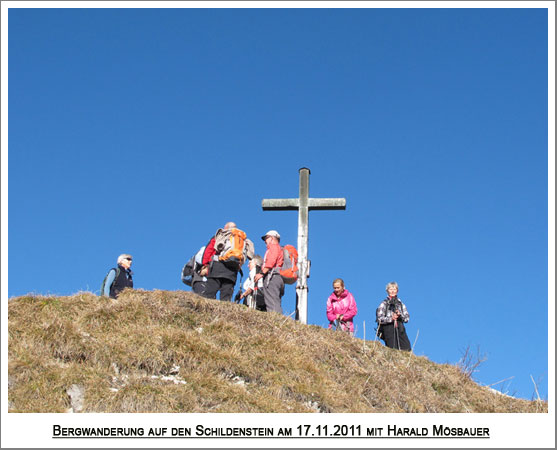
(396, 315)
(257, 277)
(204, 271)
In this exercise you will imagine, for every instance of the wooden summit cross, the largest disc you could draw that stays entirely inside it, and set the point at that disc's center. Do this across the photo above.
(303, 204)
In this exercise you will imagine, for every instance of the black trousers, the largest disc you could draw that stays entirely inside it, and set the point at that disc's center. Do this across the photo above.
(198, 287)
(396, 337)
(224, 285)
(260, 301)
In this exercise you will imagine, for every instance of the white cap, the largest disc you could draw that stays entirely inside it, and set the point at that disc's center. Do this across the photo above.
(271, 233)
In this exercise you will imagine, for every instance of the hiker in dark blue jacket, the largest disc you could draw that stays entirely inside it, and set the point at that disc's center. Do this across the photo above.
(119, 277)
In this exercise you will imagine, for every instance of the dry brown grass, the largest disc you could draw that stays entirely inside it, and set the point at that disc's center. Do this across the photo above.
(167, 351)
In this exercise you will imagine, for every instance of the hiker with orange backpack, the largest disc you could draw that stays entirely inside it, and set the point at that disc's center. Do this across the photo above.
(341, 308)
(223, 258)
(273, 284)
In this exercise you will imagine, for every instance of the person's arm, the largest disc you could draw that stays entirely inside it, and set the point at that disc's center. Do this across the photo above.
(269, 262)
(352, 309)
(247, 287)
(404, 316)
(248, 284)
(382, 314)
(246, 293)
(209, 252)
(330, 313)
(109, 280)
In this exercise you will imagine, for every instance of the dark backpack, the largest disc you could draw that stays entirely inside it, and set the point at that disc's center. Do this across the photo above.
(192, 267)
(103, 285)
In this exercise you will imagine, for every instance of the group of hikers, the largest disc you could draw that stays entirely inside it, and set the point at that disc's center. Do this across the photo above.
(391, 315)
(214, 270)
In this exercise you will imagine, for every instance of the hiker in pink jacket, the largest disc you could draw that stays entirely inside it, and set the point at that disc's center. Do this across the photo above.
(341, 307)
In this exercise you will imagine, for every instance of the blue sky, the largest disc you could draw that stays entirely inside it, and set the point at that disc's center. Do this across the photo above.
(144, 130)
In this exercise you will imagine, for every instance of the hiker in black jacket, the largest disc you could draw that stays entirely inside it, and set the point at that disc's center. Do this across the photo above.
(391, 317)
(119, 277)
(221, 277)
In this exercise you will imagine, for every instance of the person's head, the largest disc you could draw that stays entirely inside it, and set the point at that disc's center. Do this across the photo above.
(338, 286)
(392, 288)
(125, 260)
(271, 236)
(229, 225)
(257, 260)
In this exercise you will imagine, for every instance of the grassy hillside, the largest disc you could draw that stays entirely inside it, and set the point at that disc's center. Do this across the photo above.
(167, 351)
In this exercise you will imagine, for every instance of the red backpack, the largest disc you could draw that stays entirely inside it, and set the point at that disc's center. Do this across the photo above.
(289, 269)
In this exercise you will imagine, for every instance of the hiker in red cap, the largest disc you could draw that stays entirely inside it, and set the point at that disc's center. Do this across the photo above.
(273, 284)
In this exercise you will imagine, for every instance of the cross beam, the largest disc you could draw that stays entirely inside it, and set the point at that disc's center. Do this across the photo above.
(303, 204)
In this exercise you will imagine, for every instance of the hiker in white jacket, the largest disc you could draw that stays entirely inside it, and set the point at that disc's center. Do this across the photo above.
(253, 294)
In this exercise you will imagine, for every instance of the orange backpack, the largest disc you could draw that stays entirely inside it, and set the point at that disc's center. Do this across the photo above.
(232, 246)
(289, 269)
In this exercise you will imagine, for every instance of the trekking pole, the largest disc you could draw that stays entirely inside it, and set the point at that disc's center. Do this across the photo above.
(396, 333)
(364, 346)
(254, 297)
(241, 276)
(412, 349)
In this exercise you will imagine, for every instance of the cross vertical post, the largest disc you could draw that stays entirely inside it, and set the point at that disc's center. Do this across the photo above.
(303, 204)
(303, 225)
